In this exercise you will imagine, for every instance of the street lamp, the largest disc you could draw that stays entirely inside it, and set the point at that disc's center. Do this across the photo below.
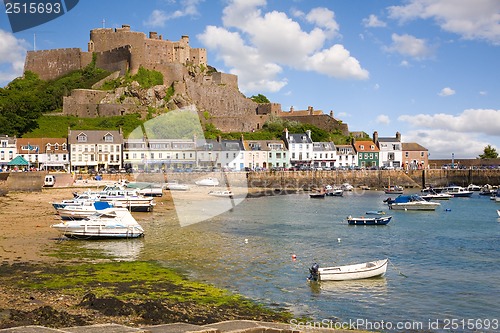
(453, 160)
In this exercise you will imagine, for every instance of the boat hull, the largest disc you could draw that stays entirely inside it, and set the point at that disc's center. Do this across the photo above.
(367, 270)
(369, 220)
(411, 206)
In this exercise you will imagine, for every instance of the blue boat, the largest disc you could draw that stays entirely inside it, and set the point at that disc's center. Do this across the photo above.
(383, 220)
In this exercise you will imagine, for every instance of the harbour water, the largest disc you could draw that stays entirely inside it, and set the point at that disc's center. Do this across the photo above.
(443, 276)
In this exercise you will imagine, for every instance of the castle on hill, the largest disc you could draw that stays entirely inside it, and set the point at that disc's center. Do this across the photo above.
(121, 50)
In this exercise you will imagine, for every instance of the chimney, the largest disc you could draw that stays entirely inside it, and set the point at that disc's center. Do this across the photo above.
(126, 27)
(242, 138)
(285, 131)
(310, 109)
(219, 139)
(398, 136)
(375, 137)
(291, 108)
(153, 35)
(331, 113)
(308, 132)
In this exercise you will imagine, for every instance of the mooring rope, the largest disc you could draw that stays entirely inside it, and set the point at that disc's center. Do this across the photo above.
(400, 273)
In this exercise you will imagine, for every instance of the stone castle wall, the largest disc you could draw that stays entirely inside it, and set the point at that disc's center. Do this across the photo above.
(51, 64)
(115, 60)
(323, 121)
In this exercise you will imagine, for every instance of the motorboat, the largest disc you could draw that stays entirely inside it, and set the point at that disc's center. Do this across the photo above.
(457, 191)
(210, 181)
(106, 223)
(437, 196)
(411, 202)
(78, 200)
(473, 187)
(365, 270)
(498, 212)
(83, 210)
(333, 191)
(225, 193)
(317, 194)
(381, 220)
(146, 189)
(347, 187)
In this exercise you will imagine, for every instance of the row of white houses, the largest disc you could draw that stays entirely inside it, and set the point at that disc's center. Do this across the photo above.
(96, 150)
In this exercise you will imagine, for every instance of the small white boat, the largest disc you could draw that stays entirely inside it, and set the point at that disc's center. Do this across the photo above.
(498, 212)
(457, 191)
(347, 187)
(225, 194)
(394, 189)
(81, 211)
(146, 189)
(437, 196)
(411, 202)
(176, 186)
(106, 223)
(349, 272)
(210, 181)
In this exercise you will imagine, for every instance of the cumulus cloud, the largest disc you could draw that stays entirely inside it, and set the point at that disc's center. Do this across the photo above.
(441, 143)
(373, 21)
(409, 45)
(478, 19)
(481, 121)
(12, 54)
(158, 18)
(383, 119)
(446, 92)
(267, 41)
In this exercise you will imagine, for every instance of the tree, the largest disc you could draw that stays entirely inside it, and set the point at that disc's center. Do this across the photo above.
(259, 99)
(489, 152)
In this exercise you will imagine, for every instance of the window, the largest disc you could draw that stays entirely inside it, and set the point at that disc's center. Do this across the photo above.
(47, 147)
(407, 154)
(362, 147)
(56, 146)
(422, 154)
(108, 138)
(81, 137)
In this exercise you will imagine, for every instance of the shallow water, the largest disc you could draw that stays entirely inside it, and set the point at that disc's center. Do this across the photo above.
(450, 257)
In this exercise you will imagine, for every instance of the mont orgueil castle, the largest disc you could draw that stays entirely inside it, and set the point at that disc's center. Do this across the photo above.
(185, 69)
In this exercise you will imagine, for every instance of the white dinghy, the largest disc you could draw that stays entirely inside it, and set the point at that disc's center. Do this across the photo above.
(365, 270)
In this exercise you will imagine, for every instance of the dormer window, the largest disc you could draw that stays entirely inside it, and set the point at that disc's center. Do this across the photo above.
(56, 146)
(47, 146)
(372, 147)
(362, 147)
(82, 137)
(64, 147)
(108, 138)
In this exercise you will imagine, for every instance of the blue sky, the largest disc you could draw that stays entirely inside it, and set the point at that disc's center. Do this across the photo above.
(426, 68)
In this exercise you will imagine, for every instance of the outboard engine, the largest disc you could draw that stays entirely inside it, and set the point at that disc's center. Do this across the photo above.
(314, 273)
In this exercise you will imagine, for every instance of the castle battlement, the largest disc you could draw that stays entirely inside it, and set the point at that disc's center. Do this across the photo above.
(117, 49)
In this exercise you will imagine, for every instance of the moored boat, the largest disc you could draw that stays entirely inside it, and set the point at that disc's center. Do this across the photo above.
(498, 212)
(457, 191)
(176, 186)
(411, 202)
(210, 181)
(365, 270)
(437, 196)
(394, 189)
(225, 194)
(81, 211)
(382, 220)
(107, 223)
(375, 212)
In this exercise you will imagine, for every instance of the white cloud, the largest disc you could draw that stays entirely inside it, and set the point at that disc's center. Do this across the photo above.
(483, 93)
(158, 18)
(478, 19)
(373, 22)
(446, 92)
(383, 119)
(268, 41)
(12, 55)
(480, 121)
(410, 46)
(441, 143)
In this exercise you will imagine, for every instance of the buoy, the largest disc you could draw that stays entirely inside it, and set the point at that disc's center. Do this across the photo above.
(338, 239)
(246, 240)
(294, 257)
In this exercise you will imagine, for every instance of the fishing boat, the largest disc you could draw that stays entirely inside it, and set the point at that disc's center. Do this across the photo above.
(382, 220)
(411, 202)
(349, 272)
(106, 223)
(394, 189)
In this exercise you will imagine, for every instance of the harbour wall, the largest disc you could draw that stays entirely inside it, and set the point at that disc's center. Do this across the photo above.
(284, 180)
